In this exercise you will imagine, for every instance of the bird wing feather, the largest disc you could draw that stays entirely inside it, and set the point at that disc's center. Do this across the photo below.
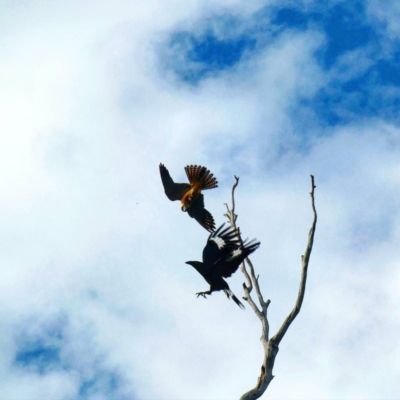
(201, 215)
(219, 245)
(174, 191)
(232, 261)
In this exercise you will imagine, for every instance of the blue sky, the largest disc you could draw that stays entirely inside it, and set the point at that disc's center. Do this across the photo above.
(97, 301)
(222, 42)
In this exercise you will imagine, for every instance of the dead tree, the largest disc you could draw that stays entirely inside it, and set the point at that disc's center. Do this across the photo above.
(270, 345)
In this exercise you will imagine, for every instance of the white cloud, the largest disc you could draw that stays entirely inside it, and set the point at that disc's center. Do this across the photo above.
(87, 231)
(385, 14)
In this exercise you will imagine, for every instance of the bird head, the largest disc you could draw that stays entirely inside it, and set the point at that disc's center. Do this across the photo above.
(192, 263)
(196, 264)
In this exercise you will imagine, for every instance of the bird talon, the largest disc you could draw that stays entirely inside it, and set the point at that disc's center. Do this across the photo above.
(203, 294)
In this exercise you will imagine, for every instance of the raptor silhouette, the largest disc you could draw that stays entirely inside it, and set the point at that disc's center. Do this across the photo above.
(222, 256)
(192, 200)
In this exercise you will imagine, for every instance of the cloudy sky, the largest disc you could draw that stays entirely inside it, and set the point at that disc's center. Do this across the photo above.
(96, 299)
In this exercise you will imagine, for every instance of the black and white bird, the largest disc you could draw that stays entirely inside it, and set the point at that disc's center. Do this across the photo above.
(222, 256)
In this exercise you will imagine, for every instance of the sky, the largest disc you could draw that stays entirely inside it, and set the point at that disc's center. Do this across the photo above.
(96, 299)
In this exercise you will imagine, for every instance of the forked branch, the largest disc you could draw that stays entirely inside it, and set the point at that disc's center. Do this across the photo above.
(271, 346)
(251, 279)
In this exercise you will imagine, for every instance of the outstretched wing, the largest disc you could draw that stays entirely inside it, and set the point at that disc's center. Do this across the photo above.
(200, 214)
(230, 263)
(219, 245)
(174, 191)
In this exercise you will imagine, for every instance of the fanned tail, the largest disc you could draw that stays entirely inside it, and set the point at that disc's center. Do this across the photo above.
(199, 174)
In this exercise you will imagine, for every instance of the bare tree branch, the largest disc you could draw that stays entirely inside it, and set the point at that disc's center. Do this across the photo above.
(271, 346)
(230, 214)
(254, 279)
(304, 267)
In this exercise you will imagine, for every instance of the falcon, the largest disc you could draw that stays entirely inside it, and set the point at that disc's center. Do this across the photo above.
(192, 200)
(222, 256)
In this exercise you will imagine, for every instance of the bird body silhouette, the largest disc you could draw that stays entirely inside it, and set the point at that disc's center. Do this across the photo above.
(222, 256)
(192, 200)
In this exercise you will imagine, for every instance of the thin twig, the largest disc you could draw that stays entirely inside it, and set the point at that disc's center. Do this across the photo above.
(264, 305)
(251, 279)
(230, 214)
(304, 266)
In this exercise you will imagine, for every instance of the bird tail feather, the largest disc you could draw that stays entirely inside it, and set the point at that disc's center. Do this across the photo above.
(230, 294)
(197, 173)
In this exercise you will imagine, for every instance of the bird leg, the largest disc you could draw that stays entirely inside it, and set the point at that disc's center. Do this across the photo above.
(203, 294)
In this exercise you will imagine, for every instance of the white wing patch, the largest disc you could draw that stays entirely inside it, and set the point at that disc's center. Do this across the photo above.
(219, 241)
(236, 253)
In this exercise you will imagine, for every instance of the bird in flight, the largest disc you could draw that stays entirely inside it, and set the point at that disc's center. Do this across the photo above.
(192, 200)
(222, 256)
